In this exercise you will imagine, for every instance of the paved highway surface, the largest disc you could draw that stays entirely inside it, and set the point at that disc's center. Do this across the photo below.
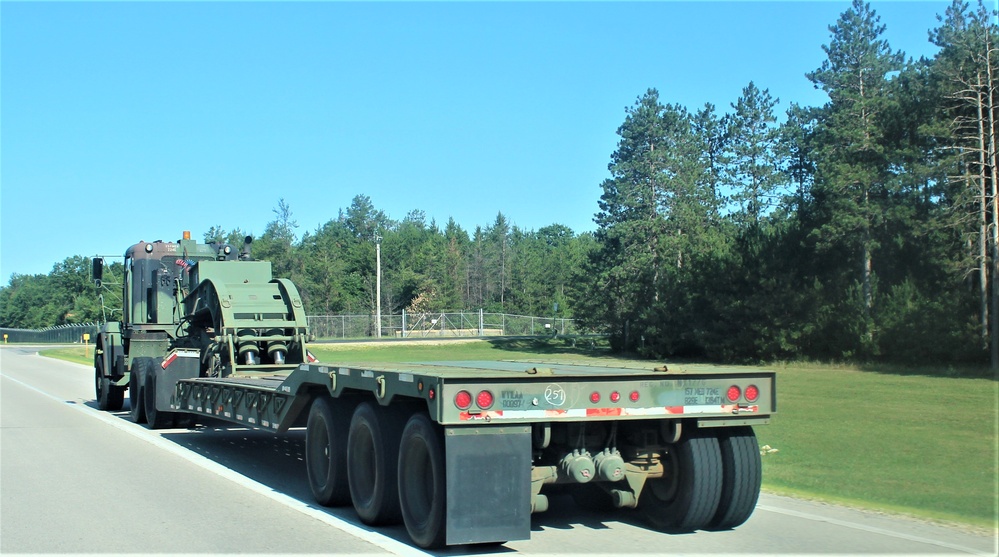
(77, 480)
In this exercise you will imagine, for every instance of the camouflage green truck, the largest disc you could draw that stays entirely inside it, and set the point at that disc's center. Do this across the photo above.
(459, 452)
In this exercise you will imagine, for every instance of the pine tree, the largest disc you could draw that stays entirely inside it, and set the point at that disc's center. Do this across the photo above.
(853, 172)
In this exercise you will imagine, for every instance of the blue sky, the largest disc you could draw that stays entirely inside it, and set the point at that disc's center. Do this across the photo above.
(122, 122)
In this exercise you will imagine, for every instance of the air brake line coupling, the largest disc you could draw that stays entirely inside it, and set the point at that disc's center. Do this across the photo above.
(248, 349)
(277, 350)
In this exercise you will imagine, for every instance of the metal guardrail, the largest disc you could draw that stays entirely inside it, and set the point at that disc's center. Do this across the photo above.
(60, 334)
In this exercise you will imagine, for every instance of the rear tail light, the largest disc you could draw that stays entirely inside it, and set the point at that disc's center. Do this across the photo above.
(463, 400)
(484, 400)
(752, 393)
(734, 393)
(615, 396)
(594, 397)
(633, 396)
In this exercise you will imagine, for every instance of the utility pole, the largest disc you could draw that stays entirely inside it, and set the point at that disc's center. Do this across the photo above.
(378, 285)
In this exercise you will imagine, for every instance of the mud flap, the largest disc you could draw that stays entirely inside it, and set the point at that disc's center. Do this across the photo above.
(180, 363)
(488, 484)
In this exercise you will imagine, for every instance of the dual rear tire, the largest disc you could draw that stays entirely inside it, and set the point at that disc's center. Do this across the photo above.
(712, 482)
(142, 396)
(389, 464)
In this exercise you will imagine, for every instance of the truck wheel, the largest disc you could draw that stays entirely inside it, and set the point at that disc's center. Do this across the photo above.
(137, 412)
(110, 397)
(741, 477)
(155, 419)
(326, 452)
(372, 463)
(116, 397)
(422, 482)
(686, 497)
(102, 385)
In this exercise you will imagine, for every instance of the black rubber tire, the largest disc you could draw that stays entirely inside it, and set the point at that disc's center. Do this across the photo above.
(326, 452)
(155, 419)
(110, 397)
(422, 482)
(135, 396)
(102, 385)
(372, 463)
(742, 472)
(686, 498)
(116, 397)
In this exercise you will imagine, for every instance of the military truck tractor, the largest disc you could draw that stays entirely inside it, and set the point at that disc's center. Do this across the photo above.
(210, 306)
(459, 452)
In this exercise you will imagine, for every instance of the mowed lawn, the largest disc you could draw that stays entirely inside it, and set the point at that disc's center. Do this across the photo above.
(920, 445)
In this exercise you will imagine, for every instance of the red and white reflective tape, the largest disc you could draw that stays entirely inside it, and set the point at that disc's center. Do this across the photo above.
(605, 412)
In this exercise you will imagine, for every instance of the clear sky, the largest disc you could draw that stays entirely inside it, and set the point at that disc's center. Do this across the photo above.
(122, 122)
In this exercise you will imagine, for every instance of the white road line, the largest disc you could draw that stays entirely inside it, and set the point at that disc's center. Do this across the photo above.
(388, 544)
(872, 529)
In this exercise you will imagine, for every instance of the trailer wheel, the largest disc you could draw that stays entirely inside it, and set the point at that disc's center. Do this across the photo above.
(422, 482)
(372, 463)
(137, 412)
(326, 452)
(109, 397)
(741, 477)
(686, 497)
(155, 419)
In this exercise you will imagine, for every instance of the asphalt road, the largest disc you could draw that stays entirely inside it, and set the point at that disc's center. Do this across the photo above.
(77, 480)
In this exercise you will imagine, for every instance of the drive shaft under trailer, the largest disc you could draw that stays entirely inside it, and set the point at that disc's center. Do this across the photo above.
(460, 452)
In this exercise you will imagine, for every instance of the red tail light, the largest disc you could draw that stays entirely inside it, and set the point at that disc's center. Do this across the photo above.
(633, 396)
(484, 400)
(594, 397)
(615, 396)
(734, 393)
(752, 393)
(463, 400)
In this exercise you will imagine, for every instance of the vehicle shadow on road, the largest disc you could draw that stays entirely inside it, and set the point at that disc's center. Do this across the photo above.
(278, 462)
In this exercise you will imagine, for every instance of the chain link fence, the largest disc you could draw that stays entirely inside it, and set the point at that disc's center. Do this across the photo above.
(446, 324)
(61, 334)
(332, 327)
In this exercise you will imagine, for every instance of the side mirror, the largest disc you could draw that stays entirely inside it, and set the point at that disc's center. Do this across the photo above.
(97, 271)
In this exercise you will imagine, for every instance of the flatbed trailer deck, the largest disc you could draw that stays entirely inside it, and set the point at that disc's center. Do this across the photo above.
(523, 392)
(486, 439)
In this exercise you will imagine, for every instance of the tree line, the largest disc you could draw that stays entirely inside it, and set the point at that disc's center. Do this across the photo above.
(863, 229)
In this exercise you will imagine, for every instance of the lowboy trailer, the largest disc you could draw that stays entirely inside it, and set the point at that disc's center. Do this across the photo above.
(459, 452)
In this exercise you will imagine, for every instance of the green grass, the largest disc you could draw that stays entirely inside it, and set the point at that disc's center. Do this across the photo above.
(878, 439)
(76, 354)
(921, 445)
